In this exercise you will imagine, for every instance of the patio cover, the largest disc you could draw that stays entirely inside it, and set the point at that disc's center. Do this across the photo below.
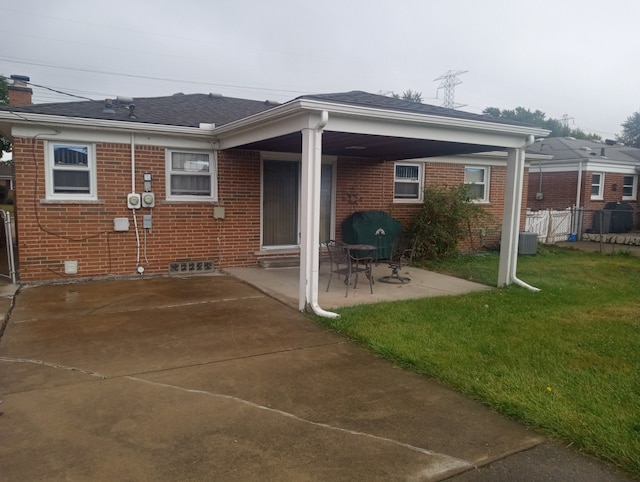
(357, 124)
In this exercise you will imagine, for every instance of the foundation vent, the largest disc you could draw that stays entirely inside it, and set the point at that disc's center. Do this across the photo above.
(190, 267)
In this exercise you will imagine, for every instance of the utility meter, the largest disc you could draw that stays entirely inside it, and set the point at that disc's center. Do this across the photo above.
(148, 200)
(133, 201)
(146, 178)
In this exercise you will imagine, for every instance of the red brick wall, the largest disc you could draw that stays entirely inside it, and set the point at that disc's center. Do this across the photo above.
(559, 190)
(49, 233)
(368, 185)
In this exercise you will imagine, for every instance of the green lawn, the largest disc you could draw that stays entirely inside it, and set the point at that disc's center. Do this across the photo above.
(565, 360)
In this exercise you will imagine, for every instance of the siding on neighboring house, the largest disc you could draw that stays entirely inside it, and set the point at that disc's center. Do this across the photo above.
(52, 232)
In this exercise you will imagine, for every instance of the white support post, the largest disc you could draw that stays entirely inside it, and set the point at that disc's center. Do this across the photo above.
(511, 220)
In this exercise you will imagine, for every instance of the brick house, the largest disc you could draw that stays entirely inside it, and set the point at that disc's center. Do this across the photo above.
(591, 175)
(225, 182)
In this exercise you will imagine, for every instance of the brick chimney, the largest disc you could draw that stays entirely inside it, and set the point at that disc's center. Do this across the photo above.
(19, 92)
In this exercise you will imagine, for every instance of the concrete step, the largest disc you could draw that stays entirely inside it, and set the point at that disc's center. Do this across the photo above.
(279, 262)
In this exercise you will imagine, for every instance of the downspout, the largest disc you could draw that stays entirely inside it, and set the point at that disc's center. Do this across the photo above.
(514, 276)
(579, 188)
(315, 267)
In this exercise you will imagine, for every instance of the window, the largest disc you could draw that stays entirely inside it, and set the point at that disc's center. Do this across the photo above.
(629, 188)
(71, 172)
(477, 181)
(191, 176)
(597, 184)
(408, 183)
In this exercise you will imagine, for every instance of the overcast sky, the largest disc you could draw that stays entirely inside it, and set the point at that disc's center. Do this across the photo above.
(573, 57)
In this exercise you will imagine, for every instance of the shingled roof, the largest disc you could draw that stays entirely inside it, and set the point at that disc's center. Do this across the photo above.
(569, 148)
(365, 99)
(190, 110)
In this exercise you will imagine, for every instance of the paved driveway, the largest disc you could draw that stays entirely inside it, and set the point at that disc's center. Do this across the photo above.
(206, 378)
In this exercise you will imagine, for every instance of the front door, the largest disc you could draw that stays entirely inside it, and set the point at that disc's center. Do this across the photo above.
(281, 201)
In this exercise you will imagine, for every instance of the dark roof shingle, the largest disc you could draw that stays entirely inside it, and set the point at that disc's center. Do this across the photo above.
(189, 110)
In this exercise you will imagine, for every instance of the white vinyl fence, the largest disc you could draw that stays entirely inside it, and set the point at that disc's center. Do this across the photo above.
(551, 225)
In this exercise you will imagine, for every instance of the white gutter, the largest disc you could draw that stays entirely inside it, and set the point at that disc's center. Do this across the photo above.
(97, 124)
(310, 232)
(579, 187)
(514, 276)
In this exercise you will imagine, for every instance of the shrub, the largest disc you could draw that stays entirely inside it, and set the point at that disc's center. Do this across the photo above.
(443, 221)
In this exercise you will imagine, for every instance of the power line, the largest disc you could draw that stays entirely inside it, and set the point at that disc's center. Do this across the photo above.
(145, 77)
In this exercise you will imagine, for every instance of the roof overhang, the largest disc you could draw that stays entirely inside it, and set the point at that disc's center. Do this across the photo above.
(29, 120)
(585, 164)
(356, 131)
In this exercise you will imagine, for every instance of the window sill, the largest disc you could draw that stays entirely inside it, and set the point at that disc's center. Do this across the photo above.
(407, 201)
(189, 201)
(71, 201)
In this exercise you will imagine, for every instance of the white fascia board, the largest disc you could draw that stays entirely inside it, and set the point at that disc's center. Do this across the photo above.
(590, 165)
(46, 121)
(260, 130)
(113, 137)
(411, 117)
(365, 120)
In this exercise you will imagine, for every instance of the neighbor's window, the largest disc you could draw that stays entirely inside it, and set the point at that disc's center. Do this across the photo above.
(629, 188)
(71, 172)
(191, 176)
(477, 181)
(597, 185)
(408, 182)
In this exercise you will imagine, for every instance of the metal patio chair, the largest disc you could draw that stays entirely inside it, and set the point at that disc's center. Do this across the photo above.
(401, 254)
(344, 263)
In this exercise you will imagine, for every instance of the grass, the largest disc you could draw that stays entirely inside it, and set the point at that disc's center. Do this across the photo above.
(565, 360)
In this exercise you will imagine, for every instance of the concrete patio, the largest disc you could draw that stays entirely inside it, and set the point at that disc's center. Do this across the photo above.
(282, 284)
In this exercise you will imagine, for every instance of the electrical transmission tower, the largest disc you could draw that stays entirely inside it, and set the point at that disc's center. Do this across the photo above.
(448, 82)
(566, 119)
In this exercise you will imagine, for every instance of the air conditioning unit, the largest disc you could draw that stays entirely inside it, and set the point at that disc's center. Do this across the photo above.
(527, 243)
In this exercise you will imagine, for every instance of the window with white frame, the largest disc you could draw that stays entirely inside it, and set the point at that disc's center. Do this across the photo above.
(71, 171)
(597, 185)
(191, 176)
(476, 178)
(408, 182)
(629, 188)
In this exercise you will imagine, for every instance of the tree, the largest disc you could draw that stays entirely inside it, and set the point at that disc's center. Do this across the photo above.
(4, 100)
(631, 131)
(410, 95)
(539, 119)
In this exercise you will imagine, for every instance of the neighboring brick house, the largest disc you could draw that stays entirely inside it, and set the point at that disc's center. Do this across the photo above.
(591, 175)
(235, 180)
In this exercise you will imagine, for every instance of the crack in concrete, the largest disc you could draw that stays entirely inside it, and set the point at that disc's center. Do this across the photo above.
(52, 365)
(446, 464)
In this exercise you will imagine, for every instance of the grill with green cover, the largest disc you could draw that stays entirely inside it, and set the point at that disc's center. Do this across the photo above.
(376, 228)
